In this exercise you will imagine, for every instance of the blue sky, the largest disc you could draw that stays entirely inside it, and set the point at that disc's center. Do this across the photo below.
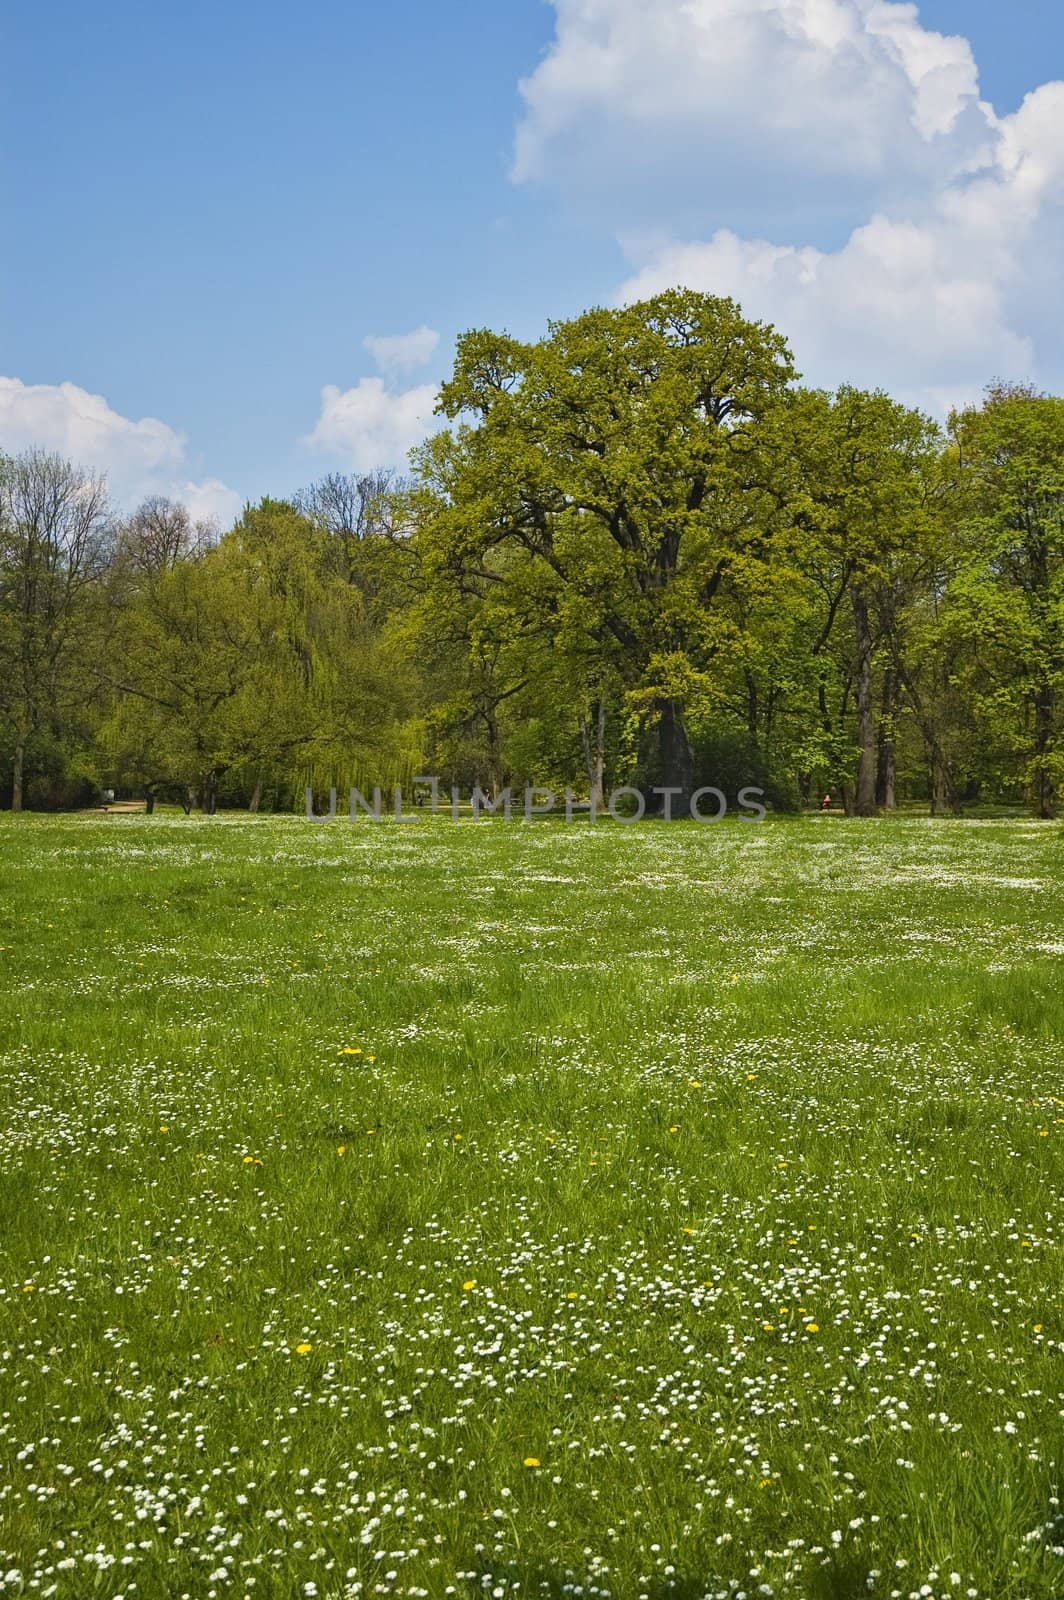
(209, 208)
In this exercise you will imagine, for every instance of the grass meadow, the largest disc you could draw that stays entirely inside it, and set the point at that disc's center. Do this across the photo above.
(532, 1210)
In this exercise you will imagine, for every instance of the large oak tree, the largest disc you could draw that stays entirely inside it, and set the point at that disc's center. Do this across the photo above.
(621, 457)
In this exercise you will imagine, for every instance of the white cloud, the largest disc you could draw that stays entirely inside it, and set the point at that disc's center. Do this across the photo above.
(372, 426)
(933, 307)
(82, 426)
(398, 353)
(830, 164)
(210, 501)
(717, 91)
(139, 457)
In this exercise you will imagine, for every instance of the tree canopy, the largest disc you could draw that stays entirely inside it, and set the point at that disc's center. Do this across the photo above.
(638, 548)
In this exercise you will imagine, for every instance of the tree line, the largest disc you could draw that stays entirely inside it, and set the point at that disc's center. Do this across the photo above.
(641, 552)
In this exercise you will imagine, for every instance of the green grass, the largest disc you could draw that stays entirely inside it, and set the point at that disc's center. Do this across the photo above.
(715, 1170)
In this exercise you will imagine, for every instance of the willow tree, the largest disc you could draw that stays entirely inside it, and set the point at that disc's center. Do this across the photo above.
(621, 456)
(253, 661)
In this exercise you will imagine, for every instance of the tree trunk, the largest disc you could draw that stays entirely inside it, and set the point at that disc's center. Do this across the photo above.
(865, 797)
(887, 777)
(598, 790)
(18, 773)
(753, 708)
(677, 758)
(256, 795)
(210, 794)
(494, 752)
(1043, 792)
(149, 801)
(595, 755)
(886, 755)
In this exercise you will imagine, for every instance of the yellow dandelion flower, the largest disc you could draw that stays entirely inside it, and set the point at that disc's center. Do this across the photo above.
(531, 1461)
(340, 1149)
(304, 1349)
(470, 1283)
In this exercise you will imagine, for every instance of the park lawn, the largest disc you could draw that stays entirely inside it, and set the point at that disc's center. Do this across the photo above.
(529, 1209)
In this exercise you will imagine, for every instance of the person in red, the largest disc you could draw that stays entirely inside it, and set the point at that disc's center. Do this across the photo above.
(825, 804)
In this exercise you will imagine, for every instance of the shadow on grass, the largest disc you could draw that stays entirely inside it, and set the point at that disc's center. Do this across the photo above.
(553, 1584)
(843, 1580)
